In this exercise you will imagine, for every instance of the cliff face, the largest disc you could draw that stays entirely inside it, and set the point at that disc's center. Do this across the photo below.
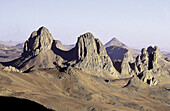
(39, 42)
(92, 55)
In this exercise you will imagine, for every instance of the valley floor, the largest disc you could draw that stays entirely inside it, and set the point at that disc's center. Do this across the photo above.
(84, 92)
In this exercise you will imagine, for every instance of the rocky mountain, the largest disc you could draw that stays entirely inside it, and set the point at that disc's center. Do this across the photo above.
(117, 49)
(41, 50)
(114, 42)
(115, 46)
(39, 42)
(92, 55)
(117, 53)
(36, 52)
(152, 66)
(86, 77)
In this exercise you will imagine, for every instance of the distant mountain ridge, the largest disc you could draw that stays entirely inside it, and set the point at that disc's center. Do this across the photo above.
(11, 42)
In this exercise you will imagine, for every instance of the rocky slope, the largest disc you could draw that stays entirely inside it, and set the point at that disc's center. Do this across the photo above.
(77, 91)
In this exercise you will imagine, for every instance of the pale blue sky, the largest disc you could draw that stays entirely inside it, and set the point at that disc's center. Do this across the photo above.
(137, 23)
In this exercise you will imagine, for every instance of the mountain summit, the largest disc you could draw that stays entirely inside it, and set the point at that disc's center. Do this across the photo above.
(114, 41)
(39, 41)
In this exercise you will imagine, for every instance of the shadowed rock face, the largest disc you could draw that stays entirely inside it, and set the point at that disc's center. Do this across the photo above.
(16, 104)
(116, 53)
(39, 41)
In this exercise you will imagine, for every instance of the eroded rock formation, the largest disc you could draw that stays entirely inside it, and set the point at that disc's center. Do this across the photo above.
(92, 55)
(127, 65)
(148, 65)
(39, 42)
(89, 55)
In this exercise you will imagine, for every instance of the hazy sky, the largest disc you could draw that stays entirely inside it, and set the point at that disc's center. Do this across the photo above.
(137, 23)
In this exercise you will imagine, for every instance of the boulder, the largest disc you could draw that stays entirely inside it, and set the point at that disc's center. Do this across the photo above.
(11, 69)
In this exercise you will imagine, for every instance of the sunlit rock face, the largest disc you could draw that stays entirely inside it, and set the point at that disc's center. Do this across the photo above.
(92, 55)
(39, 41)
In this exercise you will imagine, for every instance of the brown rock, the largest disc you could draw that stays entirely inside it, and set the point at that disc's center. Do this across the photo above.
(11, 69)
(149, 65)
(126, 70)
(92, 56)
(39, 41)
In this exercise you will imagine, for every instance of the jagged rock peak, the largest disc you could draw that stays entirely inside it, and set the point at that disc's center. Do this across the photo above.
(115, 39)
(155, 51)
(87, 35)
(143, 51)
(149, 65)
(86, 45)
(126, 70)
(39, 41)
(92, 55)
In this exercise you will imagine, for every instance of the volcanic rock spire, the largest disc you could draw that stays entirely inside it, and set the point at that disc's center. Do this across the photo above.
(92, 55)
(39, 41)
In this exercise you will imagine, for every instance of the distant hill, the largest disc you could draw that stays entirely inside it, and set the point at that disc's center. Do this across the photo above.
(11, 43)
